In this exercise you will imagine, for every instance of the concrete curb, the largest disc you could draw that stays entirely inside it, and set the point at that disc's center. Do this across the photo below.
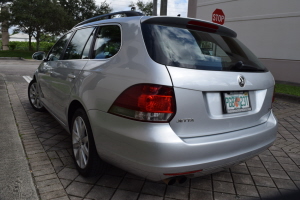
(287, 97)
(16, 176)
(11, 58)
(47, 183)
(18, 58)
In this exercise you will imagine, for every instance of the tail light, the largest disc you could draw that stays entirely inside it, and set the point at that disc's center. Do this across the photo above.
(146, 102)
(273, 97)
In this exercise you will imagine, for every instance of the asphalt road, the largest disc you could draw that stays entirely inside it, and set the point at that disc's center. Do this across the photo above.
(18, 67)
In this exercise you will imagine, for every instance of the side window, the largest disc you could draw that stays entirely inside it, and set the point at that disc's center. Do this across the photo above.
(79, 46)
(108, 42)
(58, 48)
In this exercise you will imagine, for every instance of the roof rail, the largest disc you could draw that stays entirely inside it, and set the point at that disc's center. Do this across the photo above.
(109, 16)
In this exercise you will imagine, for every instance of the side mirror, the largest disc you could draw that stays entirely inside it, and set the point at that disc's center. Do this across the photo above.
(40, 55)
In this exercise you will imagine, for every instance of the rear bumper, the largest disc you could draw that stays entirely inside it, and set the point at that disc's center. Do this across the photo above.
(151, 150)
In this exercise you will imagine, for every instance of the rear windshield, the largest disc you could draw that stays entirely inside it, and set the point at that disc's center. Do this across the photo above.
(186, 48)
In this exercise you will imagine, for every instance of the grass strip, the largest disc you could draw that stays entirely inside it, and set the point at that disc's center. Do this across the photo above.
(287, 89)
(17, 53)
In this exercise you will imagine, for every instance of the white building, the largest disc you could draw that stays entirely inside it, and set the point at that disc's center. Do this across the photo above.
(22, 37)
(270, 28)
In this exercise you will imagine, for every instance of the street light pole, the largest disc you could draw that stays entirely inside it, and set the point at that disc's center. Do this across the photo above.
(163, 7)
(154, 13)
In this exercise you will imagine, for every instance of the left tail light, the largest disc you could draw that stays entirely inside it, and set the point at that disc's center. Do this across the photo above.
(146, 102)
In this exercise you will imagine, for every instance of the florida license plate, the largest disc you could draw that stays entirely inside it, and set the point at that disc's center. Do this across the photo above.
(235, 102)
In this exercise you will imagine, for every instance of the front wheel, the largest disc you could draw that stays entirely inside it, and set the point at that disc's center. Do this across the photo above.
(34, 96)
(87, 161)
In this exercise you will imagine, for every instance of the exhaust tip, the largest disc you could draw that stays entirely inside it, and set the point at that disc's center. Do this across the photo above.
(172, 181)
(181, 179)
(169, 181)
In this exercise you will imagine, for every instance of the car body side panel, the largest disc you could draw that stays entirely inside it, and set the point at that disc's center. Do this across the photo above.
(57, 83)
(44, 79)
(66, 74)
(102, 81)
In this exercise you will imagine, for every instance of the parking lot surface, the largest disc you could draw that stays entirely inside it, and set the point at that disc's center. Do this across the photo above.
(273, 174)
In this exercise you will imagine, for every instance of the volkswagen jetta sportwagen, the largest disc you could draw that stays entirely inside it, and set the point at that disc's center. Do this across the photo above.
(160, 97)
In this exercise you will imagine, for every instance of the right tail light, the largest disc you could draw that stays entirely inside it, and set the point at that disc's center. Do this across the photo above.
(146, 102)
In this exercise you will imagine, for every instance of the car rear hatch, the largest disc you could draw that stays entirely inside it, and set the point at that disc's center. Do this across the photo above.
(220, 86)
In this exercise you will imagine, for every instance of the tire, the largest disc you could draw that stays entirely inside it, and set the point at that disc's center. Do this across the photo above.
(85, 155)
(34, 96)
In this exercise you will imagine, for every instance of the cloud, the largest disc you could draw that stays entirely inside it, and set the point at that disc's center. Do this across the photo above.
(175, 7)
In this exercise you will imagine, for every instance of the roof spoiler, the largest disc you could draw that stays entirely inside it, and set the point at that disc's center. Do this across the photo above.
(109, 16)
(190, 23)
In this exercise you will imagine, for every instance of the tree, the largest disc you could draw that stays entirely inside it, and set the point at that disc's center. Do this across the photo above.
(104, 8)
(5, 23)
(39, 17)
(146, 8)
(80, 10)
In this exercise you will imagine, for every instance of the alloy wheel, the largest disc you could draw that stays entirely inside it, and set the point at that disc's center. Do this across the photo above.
(35, 96)
(80, 142)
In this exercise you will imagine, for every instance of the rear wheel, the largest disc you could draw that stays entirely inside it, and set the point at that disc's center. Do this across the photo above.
(34, 96)
(85, 154)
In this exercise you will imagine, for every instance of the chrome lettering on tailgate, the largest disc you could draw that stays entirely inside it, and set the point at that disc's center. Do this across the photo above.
(185, 120)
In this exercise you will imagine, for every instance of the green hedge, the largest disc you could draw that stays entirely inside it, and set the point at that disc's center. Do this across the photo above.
(17, 53)
(16, 45)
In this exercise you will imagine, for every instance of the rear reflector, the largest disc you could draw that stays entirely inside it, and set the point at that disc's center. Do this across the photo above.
(146, 102)
(183, 173)
(273, 98)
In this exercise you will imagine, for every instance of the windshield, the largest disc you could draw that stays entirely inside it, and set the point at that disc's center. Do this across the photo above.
(186, 48)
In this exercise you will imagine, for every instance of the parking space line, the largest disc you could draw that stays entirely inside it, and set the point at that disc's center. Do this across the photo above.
(27, 78)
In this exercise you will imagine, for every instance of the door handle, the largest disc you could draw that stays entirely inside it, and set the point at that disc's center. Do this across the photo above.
(72, 76)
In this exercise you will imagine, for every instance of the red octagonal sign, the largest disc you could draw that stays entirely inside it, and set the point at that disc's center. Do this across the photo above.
(218, 16)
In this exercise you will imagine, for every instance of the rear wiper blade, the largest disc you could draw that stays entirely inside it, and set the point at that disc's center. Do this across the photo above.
(249, 70)
(240, 66)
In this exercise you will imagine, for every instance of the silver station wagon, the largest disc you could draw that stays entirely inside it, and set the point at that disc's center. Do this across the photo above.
(165, 98)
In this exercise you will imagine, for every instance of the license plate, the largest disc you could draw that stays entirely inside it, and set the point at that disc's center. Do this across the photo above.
(235, 102)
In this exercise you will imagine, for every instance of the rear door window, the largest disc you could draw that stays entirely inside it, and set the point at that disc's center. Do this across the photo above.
(79, 46)
(57, 50)
(108, 42)
(192, 49)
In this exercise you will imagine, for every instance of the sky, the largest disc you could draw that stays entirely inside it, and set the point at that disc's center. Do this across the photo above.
(175, 7)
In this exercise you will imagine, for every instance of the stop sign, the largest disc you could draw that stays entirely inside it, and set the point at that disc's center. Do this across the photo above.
(218, 16)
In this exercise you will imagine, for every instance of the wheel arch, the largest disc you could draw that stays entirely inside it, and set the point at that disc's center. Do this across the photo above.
(74, 105)
(34, 78)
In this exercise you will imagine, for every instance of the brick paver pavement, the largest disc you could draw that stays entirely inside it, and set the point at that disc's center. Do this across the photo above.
(273, 173)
